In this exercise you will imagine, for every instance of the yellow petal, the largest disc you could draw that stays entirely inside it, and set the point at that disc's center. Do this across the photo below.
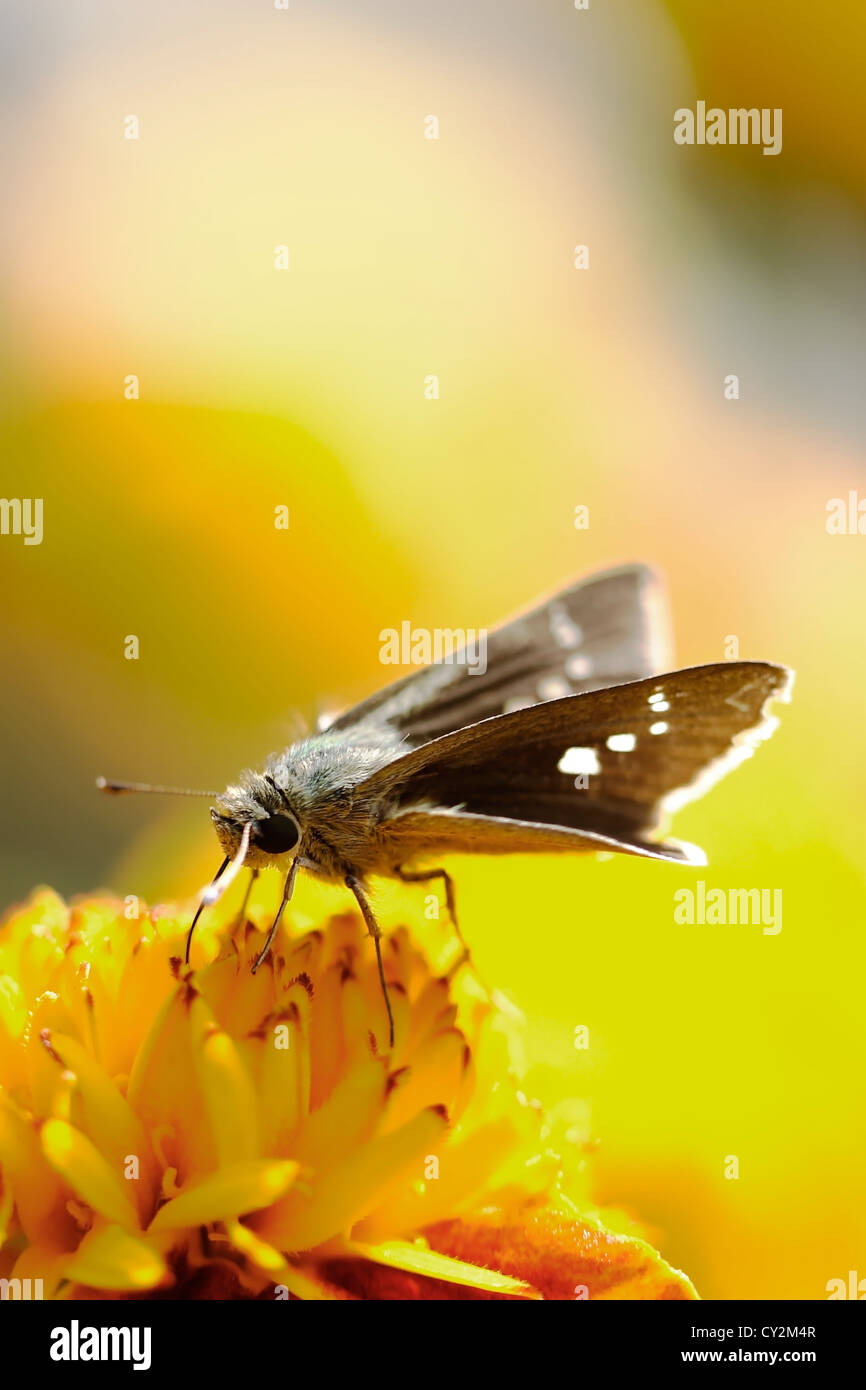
(235, 1189)
(303, 1284)
(42, 1262)
(464, 1169)
(145, 988)
(87, 1172)
(101, 1113)
(282, 1083)
(111, 1258)
(37, 1190)
(348, 1117)
(164, 1088)
(256, 1250)
(417, 1259)
(326, 1035)
(427, 1010)
(239, 999)
(338, 1198)
(13, 1021)
(433, 1076)
(226, 1087)
(7, 1201)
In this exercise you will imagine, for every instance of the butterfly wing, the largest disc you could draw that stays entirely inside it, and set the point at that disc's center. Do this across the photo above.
(608, 628)
(430, 832)
(602, 765)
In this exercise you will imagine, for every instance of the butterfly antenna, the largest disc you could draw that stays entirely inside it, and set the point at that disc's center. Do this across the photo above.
(119, 788)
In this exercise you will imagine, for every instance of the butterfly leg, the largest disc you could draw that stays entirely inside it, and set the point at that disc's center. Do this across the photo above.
(426, 876)
(289, 888)
(243, 909)
(374, 930)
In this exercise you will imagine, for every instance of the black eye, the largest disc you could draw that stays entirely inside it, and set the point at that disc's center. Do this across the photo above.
(276, 835)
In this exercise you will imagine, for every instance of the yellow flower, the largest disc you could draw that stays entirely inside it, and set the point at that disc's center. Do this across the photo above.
(214, 1133)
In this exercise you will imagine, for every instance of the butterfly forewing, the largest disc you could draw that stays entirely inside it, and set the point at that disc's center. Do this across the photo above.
(607, 762)
(609, 628)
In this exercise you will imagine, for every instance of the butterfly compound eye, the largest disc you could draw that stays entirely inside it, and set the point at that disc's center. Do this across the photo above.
(276, 835)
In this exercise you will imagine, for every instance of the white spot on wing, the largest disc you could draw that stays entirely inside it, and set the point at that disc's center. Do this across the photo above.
(578, 760)
(659, 728)
(621, 743)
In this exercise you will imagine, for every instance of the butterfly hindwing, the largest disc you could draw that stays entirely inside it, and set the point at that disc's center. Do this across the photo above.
(430, 832)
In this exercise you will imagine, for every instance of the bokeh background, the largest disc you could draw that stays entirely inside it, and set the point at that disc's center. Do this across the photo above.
(558, 387)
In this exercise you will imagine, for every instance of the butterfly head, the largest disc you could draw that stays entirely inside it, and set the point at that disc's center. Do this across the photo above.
(259, 810)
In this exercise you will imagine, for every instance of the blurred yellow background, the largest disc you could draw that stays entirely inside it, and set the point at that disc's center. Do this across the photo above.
(411, 257)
